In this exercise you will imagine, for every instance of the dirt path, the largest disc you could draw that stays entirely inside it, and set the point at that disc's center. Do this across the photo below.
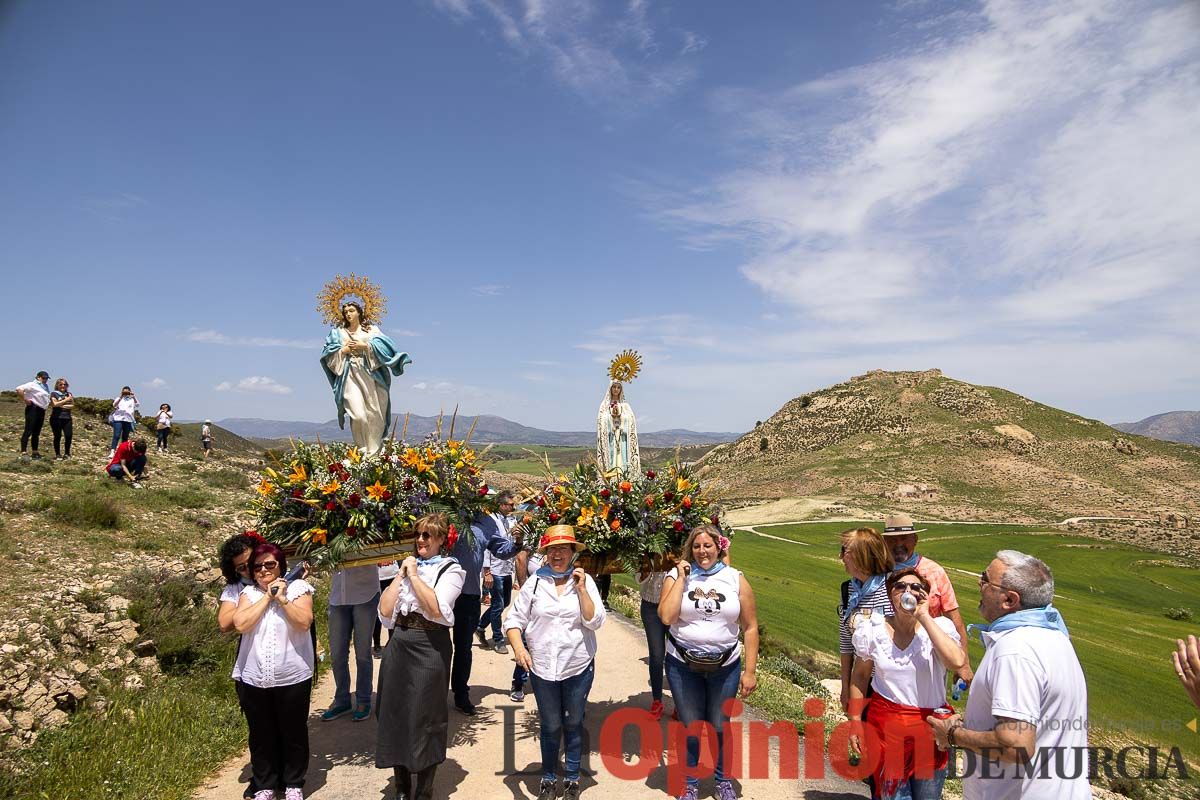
(342, 766)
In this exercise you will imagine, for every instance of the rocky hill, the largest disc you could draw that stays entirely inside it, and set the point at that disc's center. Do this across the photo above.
(939, 447)
(1174, 426)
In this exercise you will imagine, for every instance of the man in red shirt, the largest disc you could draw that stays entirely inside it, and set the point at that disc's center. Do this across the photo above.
(901, 539)
(128, 462)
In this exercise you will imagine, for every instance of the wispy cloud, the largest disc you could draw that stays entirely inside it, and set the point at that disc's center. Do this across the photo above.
(601, 50)
(216, 337)
(156, 383)
(255, 383)
(490, 290)
(114, 207)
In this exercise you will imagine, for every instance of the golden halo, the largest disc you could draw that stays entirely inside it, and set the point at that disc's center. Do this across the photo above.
(625, 366)
(353, 287)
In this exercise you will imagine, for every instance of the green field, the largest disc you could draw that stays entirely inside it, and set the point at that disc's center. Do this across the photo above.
(529, 459)
(1112, 596)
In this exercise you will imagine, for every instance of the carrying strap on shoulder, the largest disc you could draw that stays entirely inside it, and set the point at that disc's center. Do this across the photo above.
(442, 571)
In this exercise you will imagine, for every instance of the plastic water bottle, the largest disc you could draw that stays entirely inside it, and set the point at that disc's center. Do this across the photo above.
(958, 689)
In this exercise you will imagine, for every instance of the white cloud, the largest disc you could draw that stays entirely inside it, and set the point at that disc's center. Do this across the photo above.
(490, 290)
(216, 337)
(255, 383)
(156, 383)
(598, 49)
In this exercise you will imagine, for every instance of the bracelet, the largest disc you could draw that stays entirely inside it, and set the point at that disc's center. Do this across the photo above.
(953, 729)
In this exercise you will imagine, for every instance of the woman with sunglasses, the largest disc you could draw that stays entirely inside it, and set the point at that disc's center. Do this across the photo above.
(275, 664)
(904, 659)
(867, 560)
(410, 706)
(235, 566)
(559, 610)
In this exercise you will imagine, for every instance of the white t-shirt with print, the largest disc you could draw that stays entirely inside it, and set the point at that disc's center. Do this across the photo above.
(1032, 675)
(708, 617)
(914, 676)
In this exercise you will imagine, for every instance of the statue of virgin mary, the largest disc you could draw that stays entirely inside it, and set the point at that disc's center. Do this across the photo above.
(616, 427)
(359, 360)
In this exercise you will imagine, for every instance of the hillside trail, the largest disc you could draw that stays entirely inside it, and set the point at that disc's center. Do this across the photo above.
(342, 765)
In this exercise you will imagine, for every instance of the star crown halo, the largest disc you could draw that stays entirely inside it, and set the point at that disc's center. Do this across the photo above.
(625, 366)
(344, 288)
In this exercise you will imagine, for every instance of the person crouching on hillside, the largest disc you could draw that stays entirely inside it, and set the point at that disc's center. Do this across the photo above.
(275, 664)
(128, 462)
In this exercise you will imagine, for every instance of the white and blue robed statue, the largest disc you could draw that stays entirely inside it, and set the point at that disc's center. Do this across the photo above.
(617, 451)
(359, 361)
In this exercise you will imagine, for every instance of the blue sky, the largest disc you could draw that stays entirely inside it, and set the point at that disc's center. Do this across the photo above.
(762, 198)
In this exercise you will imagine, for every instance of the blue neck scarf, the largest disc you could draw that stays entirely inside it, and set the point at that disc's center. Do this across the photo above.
(860, 590)
(699, 572)
(908, 563)
(421, 562)
(545, 571)
(1043, 617)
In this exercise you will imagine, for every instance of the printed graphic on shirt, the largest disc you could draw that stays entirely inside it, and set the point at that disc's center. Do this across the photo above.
(708, 602)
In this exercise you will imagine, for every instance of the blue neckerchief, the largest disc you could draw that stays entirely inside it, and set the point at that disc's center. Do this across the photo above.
(859, 590)
(549, 574)
(908, 563)
(422, 562)
(1043, 617)
(713, 570)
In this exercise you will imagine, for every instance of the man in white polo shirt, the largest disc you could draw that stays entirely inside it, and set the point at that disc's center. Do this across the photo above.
(1025, 729)
(36, 396)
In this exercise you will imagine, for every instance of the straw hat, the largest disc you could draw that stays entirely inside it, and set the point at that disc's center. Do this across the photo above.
(559, 534)
(899, 525)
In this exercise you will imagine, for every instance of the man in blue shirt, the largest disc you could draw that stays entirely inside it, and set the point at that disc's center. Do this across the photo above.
(487, 537)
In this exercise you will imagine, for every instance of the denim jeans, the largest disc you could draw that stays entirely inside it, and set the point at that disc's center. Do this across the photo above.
(918, 789)
(136, 467)
(656, 640)
(699, 696)
(466, 620)
(121, 431)
(561, 705)
(501, 593)
(359, 620)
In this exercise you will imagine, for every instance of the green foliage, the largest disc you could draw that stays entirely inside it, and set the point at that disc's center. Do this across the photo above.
(87, 510)
(763, 444)
(39, 502)
(225, 478)
(174, 497)
(785, 667)
(806, 401)
(169, 608)
(1179, 614)
(38, 467)
(1128, 787)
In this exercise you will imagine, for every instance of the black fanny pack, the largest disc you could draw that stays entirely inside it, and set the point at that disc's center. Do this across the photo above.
(701, 662)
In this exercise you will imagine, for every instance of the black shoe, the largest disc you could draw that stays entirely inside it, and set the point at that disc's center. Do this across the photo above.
(571, 790)
(547, 791)
(36, 456)
(403, 783)
(465, 705)
(424, 790)
(484, 641)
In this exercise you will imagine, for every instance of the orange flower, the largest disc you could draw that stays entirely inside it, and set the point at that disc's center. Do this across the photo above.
(331, 487)
(626, 486)
(616, 525)
(376, 491)
(317, 535)
(265, 487)
(649, 501)
(299, 474)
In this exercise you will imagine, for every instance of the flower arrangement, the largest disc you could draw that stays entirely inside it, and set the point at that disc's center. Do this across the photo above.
(326, 501)
(623, 520)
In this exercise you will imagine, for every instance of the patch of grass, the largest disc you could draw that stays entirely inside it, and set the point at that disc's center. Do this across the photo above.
(226, 478)
(1179, 614)
(87, 511)
(39, 503)
(30, 467)
(187, 467)
(169, 609)
(175, 497)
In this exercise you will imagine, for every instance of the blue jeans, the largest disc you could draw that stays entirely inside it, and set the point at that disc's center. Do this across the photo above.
(699, 696)
(501, 594)
(918, 789)
(136, 467)
(359, 620)
(121, 431)
(560, 711)
(656, 640)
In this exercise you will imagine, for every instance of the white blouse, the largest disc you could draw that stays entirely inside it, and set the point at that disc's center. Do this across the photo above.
(561, 642)
(446, 589)
(914, 676)
(273, 652)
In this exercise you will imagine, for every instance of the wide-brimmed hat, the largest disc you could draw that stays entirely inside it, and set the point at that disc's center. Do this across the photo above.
(559, 534)
(899, 525)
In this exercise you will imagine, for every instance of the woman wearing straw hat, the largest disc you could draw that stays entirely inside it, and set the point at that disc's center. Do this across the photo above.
(559, 610)
(418, 607)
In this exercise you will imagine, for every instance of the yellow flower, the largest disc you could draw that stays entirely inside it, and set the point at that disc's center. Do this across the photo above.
(316, 535)
(376, 491)
(433, 488)
(299, 474)
(682, 485)
(353, 455)
(604, 510)
(411, 458)
(331, 487)
(585, 517)
(265, 487)
(453, 445)
(460, 464)
(423, 467)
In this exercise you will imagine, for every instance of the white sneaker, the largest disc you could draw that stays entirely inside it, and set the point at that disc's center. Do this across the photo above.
(293, 793)
(265, 794)
(136, 485)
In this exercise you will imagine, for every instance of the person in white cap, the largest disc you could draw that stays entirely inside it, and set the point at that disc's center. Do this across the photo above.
(901, 537)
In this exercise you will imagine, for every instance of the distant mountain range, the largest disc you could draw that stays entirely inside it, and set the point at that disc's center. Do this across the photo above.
(488, 429)
(1173, 426)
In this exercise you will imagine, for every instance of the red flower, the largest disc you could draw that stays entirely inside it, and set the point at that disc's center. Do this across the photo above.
(297, 493)
(353, 500)
(605, 493)
(678, 526)
(669, 497)
(255, 535)
(387, 495)
(687, 502)
(553, 517)
(483, 490)
(351, 531)
(541, 502)
(334, 467)
(330, 506)
(451, 537)
(625, 486)
(649, 501)
(408, 483)
(651, 474)
(544, 541)
(713, 519)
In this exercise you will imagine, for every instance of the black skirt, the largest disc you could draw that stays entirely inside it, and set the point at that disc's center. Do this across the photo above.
(410, 705)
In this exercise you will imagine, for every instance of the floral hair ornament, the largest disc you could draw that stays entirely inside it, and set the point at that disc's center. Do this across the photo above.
(723, 544)
(256, 536)
(342, 289)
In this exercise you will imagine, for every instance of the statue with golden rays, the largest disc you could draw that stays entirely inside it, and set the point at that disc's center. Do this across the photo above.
(616, 427)
(358, 359)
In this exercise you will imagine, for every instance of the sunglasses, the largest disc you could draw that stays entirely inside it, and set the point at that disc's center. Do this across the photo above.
(265, 565)
(983, 581)
(908, 586)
